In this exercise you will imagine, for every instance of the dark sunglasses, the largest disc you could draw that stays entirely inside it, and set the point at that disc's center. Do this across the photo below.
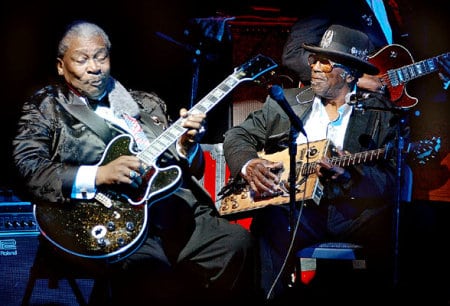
(325, 64)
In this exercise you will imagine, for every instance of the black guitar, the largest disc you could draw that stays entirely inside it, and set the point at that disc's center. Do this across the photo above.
(113, 225)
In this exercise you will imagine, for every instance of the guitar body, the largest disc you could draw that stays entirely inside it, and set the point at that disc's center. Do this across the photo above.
(112, 225)
(152, 183)
(397, 68)
(308, 186)
(238, 197)
(92, 230)
(389, 58)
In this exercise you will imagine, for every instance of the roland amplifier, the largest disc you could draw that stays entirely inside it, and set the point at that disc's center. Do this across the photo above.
(18, 246)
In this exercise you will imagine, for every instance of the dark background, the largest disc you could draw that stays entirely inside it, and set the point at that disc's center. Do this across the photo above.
(142, 59)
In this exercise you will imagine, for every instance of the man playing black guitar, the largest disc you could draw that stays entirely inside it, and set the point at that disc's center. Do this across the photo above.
(74, 150)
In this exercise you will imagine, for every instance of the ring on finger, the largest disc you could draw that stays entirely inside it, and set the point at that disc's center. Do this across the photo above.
(133, 174)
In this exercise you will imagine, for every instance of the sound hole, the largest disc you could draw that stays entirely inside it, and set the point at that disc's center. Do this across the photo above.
(312, 152)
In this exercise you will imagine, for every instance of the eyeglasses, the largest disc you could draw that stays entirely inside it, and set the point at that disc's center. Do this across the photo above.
(325, 64)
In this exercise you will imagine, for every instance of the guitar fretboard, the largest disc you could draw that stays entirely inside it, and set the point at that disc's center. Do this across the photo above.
(406, 73)
(247, 71)
(348, 160)
(174, 131)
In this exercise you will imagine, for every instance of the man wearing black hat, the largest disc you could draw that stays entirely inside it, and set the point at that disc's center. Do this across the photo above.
(384, 22)
(357, 199)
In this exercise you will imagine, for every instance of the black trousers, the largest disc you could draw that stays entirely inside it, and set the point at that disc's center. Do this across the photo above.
(188, 256)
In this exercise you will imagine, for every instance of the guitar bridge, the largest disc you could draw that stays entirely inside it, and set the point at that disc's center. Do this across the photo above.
(103, 199)
(267, 195)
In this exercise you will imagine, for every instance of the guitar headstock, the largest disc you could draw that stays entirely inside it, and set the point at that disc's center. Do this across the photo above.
(254, 68)
(424, 150)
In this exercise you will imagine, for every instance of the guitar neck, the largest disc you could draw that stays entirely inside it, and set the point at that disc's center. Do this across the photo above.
(422, 151)
(409, 72)
(348, 160)
(248, 71)
(174, 131)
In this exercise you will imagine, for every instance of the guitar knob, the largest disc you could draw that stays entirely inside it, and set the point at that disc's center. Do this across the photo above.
(101, 242)
(121, 241)
(111, 226)
(130, 226)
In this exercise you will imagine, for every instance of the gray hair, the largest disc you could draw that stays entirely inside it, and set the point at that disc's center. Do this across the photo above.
(81, 29)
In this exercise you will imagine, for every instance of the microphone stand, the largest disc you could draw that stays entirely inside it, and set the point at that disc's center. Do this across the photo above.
(195, 77)
(196, 56)
(276, 93)
(400, 145)
(293, 134)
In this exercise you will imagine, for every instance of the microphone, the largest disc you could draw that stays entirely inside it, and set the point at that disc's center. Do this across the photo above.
(355, 98)
(276, 93)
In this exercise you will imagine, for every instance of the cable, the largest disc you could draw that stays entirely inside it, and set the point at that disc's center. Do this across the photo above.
(295, 230)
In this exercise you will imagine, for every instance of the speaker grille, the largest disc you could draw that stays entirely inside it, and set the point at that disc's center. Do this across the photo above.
(241, 109)
(17, 255)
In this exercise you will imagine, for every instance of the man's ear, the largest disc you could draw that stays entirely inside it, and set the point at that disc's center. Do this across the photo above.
(59, 66)
(350, 78)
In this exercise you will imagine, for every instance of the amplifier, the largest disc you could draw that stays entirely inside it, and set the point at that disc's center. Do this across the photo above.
(17, 218)
(18, 248)
(252, 35)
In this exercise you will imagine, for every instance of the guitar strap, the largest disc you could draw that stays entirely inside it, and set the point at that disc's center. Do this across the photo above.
(97, 124)
(136, 130)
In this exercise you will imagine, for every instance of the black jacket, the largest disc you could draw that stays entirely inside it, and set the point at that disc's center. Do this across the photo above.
(268, 129)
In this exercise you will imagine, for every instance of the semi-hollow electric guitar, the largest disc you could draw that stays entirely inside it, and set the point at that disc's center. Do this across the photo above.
(237, 196)
(113, 225)
(397, 67)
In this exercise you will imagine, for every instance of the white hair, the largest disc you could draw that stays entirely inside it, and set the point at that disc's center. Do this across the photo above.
(81, 29)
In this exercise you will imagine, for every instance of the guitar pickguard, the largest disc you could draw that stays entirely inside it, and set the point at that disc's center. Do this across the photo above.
(152, 183)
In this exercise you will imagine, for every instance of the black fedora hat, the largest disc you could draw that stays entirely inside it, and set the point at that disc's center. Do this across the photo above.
(346, 46)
